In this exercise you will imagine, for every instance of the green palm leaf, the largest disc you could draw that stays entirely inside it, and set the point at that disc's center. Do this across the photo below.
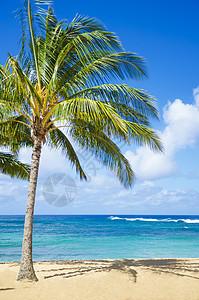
(11, 166)
(120, 94)
(100, 145)
(59, 140)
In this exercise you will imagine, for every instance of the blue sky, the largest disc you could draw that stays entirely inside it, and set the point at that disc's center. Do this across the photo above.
(166, 35)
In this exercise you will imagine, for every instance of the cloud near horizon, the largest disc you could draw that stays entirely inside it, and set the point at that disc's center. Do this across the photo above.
(181, 131)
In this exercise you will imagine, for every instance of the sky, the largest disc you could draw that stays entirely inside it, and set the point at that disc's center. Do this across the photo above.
(166, 35)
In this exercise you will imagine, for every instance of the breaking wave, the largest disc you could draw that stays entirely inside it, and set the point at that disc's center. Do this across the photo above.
(112, 218)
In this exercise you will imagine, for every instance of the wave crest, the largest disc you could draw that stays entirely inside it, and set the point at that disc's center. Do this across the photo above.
(112, 218)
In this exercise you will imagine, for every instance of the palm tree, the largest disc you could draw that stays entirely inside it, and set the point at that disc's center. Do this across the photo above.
(63, 85)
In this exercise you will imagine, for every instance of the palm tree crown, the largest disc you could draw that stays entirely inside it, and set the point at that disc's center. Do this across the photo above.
(63, 80)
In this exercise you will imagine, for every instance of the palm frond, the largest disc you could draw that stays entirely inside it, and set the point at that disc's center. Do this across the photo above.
(144, 135)
(59, 140)
(105, 150)
(25, 81)
(14, 133)
(11, 166)
(101, 114)
(81, 47)
(121, 94)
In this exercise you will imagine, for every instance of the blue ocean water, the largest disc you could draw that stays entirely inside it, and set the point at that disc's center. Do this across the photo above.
(101, 237)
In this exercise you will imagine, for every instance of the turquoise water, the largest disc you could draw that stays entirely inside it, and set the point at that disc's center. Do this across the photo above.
(101, 237)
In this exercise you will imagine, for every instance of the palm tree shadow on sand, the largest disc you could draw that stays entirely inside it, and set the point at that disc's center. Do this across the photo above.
(176, 267)
(84, 267)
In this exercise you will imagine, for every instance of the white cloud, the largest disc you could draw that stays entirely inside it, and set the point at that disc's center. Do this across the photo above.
(7, 188)
(181, 131)
(148, 197)
(196, 95)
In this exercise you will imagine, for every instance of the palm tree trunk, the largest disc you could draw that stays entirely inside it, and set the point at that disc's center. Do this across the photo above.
(26, 267)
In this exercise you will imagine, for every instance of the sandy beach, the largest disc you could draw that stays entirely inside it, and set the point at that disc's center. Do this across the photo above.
(126, 279)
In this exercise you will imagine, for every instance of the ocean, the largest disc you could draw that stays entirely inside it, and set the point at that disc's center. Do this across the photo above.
(76, 237)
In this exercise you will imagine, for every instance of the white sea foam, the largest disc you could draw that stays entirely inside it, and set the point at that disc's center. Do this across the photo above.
(141, 219)
(190, 221)
(116, 218)
(133, 219)
(155, 220)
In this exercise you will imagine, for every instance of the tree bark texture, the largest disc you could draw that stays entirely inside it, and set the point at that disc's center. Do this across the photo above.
(26, 267)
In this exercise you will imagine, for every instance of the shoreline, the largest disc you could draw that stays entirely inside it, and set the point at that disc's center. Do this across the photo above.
(104, 259)
(117, 279)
